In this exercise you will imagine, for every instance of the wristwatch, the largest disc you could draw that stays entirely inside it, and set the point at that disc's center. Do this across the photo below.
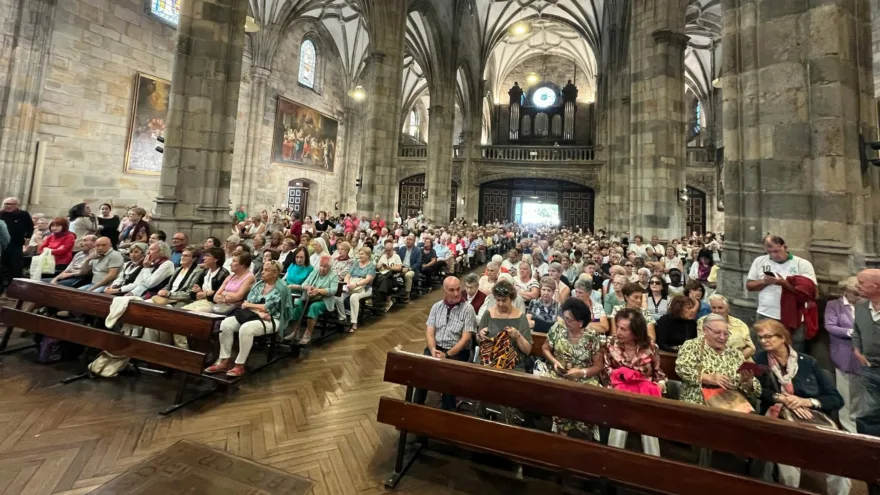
(815, 404)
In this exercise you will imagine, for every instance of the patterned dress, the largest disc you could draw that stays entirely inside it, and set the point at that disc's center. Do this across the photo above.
(696, 357)
(579, 355)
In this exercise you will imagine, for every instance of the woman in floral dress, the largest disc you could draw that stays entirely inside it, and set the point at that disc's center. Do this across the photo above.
(575, 354)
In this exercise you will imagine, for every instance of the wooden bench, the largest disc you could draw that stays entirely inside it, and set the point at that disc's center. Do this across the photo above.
(749, 436)
(197, 327)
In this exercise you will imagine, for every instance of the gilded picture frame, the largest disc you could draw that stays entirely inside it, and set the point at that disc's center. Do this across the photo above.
(148, 114)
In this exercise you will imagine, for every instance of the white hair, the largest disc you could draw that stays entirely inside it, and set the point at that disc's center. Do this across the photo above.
(718, 297)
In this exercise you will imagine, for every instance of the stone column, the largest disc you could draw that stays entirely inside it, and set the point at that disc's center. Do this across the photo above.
(794, 107)
(469, 189)
(438, 171)
(658, 123)
(200, 134)
(257, 105)
(25, 39)
(386, 22)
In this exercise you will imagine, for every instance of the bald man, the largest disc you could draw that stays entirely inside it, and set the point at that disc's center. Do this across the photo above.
(866, 347)
(450, 327)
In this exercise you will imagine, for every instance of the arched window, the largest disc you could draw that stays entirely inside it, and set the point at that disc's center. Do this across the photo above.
(414, 124)
(308, 60)
(698, 117)
(167, 10)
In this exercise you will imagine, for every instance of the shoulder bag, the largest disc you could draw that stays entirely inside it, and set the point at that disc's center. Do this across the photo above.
(721, 398)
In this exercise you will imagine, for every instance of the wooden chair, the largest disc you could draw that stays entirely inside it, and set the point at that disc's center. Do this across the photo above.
(197, 327)
(749, 436)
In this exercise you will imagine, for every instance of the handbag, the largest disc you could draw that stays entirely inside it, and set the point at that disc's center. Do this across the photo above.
(358, 288)
(720, 398)
(223, 309)
(42, 264)
(498, 352)
(107, 365)
(243, 316)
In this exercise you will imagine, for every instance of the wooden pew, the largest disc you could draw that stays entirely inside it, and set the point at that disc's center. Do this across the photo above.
(749, 436)
(197, 327)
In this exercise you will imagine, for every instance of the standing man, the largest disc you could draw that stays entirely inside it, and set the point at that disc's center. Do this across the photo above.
(866, 347)
(450, 326)
(767, 277)
(411, 257)
(21, 228)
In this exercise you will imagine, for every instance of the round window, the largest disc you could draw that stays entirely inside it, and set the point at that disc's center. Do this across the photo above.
(544, 97)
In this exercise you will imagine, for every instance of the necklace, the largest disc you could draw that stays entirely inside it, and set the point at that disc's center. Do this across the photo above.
(505, 316)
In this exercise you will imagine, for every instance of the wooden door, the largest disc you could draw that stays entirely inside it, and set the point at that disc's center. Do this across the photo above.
(696, 211)
(411, 195)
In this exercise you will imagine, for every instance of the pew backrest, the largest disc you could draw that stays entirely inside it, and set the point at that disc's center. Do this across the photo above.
(750, 436)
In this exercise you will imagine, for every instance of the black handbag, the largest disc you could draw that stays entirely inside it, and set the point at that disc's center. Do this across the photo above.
(243, 316)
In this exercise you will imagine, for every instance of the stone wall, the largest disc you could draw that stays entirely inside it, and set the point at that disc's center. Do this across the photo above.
(875, 29)
(272, 178)
(97, 47)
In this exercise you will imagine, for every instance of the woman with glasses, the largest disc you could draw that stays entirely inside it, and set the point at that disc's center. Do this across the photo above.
(658, 297)
(630, 356)
(707, 361)
(796, 389)
(631, 276)
(678, 325)
(634, 298)
(739, 331)
(574, 353)
(644, 277)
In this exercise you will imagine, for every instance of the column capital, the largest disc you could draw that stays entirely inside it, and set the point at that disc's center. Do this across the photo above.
(260, 72)
(377, 56)
(678, 40)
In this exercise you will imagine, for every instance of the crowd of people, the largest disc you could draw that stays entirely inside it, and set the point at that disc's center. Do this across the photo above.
(610, 305)
(271, 275)
(613, 310)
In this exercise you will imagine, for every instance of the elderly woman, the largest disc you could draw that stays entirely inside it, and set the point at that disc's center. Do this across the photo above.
(542, 312)
(672, 260)
(319, 248)
(239, 282)
(644, 277)
(614, 293)
(629, 356)
(796, 388)
(583, 291)
(359, 284)
(678, 325)
(286, 254)
(707, 362)
(342, 263)
(562, 291)
(59, 242)
(267, 310)
(527, 287)
(298, 271)
(634, 298)
(839, 323)
(125, 281)
(539, 267)
(504, 317)
(489, 280)
(739, 331)
(473, 295)
(276, 241)
(177, 292)
(574, 353)
(658, 297)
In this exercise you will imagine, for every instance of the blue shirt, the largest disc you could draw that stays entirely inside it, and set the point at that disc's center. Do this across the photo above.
(175, 258)
(442, 251)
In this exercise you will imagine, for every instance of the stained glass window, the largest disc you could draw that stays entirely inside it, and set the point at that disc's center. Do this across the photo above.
(308, 58)
(167, 10)
(698, 116)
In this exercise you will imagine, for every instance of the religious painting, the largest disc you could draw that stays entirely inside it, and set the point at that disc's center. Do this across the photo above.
(149, 110)
(304, 136)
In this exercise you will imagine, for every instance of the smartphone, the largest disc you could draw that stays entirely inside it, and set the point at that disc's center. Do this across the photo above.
(770, 274)
(757, 369)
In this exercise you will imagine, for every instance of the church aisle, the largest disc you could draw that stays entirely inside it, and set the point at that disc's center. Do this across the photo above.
(314, 417)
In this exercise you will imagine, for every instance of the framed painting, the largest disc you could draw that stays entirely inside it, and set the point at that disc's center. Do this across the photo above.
(149, 109)
(304, 137)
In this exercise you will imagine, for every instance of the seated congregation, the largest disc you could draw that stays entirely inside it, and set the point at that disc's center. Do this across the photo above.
(595, 311)
(280, 277)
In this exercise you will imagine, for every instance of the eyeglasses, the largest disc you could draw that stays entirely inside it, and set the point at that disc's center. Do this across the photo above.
(717, 332)
(628, 265)
(767, 337)
(656, 282)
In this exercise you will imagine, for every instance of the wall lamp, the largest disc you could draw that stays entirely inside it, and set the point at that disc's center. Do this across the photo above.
(682, 195)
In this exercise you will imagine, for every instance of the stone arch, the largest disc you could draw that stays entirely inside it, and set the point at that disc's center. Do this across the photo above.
(591, 181)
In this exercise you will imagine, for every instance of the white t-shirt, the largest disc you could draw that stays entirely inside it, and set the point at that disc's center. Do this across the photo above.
(384, 260)
(769, 297)
(641, 251)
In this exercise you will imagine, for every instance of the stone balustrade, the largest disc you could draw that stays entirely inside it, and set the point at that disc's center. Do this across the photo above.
(513, 153)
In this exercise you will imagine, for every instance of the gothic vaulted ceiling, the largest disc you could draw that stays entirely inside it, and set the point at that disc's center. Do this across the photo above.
(703, 54)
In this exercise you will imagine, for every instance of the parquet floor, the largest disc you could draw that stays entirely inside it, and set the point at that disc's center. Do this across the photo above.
(314, 417)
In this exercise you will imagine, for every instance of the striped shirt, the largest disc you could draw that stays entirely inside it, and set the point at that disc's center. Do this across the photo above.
(450, 324)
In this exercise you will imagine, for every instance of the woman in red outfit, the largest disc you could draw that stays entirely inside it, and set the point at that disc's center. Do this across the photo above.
(60, 242)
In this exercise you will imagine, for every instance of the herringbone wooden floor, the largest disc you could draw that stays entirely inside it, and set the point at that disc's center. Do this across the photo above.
(315, 417)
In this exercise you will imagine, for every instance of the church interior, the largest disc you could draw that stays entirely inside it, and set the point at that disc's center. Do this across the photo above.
(735, 119)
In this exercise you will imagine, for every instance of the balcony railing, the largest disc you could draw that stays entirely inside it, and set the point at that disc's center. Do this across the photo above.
(513, 153)
(421, 151)
(698, 154)
(538, 153)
